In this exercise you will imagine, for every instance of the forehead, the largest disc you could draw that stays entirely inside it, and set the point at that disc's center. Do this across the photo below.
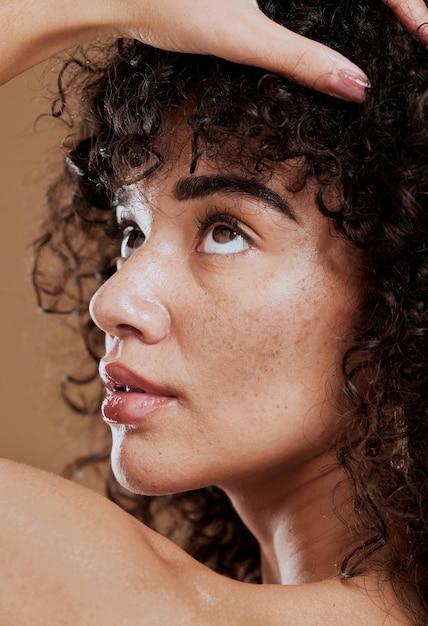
(178, 145)
(187, 174)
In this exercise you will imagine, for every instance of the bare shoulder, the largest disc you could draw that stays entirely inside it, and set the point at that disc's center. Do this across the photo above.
(69, 556)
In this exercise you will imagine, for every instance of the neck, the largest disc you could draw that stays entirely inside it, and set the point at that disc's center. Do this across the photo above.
(301, 538)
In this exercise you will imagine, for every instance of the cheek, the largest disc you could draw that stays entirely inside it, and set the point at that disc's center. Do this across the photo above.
(276, 332)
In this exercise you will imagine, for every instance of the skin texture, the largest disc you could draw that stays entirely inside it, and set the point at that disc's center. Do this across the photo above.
(103, 567)
(202, 323)
(73, 564)
(245, 339)
(237, 31)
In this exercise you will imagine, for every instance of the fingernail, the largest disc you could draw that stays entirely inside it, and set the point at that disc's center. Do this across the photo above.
(349, 86)
(423, 34)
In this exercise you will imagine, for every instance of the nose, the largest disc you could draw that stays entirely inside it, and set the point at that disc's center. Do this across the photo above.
(123, 306)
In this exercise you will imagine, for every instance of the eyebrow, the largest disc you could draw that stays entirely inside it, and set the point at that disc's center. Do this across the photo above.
(194, 187)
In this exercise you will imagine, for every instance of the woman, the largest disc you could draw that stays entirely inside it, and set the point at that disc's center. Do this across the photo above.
(266, 327)
(260, 243)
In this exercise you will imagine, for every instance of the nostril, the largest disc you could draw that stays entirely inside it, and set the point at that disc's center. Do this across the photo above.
(128, 328)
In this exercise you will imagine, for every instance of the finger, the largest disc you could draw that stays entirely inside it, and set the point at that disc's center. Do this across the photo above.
(413, 14)
(261, 42)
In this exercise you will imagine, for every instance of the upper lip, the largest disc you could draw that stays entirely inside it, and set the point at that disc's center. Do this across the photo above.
(117, 376)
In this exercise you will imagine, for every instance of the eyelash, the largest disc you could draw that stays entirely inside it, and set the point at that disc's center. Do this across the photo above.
(115, 230)
(215, 216)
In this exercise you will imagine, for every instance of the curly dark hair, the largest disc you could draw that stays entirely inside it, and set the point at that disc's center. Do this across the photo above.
(375, 153)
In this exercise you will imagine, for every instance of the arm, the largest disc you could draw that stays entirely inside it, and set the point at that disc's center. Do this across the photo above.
(236, 30)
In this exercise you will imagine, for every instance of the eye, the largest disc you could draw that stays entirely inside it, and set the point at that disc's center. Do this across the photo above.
(222, 237)
(132, 239)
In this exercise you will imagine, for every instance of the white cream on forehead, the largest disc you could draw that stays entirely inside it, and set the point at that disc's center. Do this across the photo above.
(132, 203)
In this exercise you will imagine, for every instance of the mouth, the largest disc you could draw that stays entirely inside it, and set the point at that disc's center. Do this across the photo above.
(129, 389)
(118, 377)
(130, 398)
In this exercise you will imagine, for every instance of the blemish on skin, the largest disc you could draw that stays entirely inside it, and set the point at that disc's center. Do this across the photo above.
(205, 595)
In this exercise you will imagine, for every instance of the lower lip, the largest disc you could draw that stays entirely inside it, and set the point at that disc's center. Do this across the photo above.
(130, 407)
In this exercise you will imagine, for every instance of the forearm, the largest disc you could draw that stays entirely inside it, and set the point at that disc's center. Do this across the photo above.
(35, 31)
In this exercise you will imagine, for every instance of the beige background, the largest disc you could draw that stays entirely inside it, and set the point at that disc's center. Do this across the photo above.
(36, 427)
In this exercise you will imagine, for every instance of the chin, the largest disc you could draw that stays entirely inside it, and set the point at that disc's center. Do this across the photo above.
(147, 472)
(137, 481)
(131, 473)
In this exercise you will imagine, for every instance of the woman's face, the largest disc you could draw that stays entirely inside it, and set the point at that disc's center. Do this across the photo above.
(226, 324)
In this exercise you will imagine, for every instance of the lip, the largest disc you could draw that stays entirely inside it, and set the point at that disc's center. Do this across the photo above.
(131, 398)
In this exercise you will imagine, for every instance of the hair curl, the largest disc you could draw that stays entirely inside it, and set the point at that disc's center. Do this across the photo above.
(375, 153)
